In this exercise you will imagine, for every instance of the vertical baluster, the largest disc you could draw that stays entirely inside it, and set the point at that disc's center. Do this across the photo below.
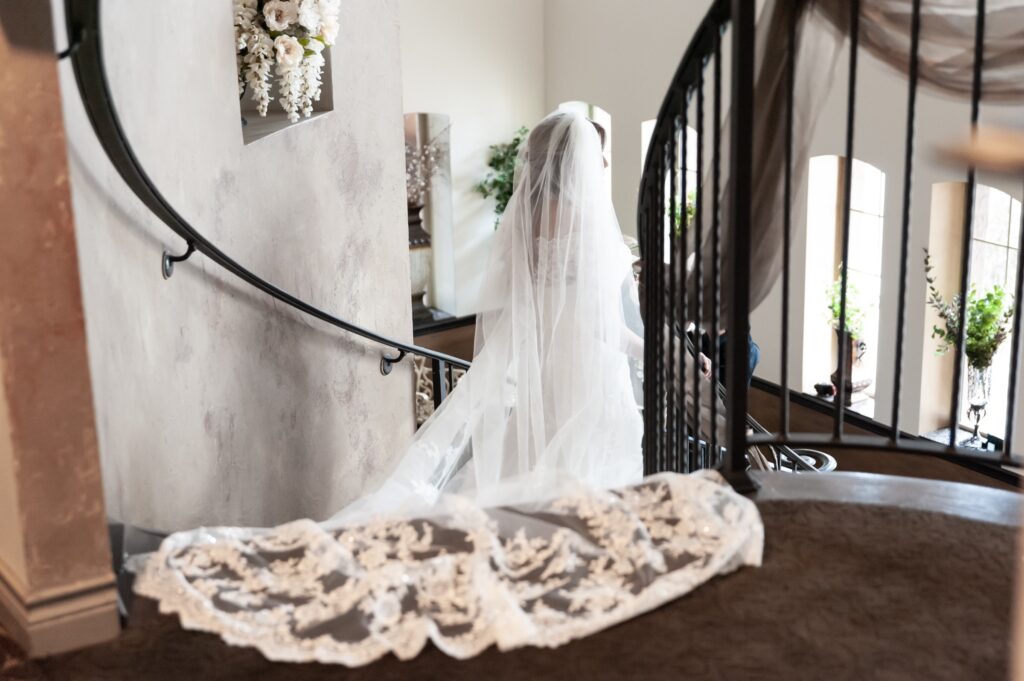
(1011, 391)
(437, 370)
(683, 300)
(671, 421)
(651, 371)
(847, 192)
(741, 173)
(646, 228)
(787, 221)
(908, 166)
(715, 240)
(658, 293)
(851, 102)
(965, 261)
(698, 273)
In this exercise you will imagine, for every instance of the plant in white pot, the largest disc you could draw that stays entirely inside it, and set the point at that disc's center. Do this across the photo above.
(851, 346)
(988, 322)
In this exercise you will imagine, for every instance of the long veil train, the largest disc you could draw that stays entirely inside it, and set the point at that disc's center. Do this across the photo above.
(518, 515)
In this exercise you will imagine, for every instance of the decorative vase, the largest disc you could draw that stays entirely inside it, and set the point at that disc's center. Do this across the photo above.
(418, 236)
(847, 355)
(851, 351)
(979, 389)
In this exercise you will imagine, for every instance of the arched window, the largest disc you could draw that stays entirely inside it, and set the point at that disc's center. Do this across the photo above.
(995, 234)
(994, 258)
(647, 131)
(823, 267)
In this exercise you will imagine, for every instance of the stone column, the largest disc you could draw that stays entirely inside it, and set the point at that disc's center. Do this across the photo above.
(57, 589)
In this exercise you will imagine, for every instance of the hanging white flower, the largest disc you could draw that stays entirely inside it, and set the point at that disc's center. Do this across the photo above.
(291, 85)
(309, 15)
(244, 16)
(257, 62)
(329, 29)
(289, 52)
(280, 14)
(245, 13)
(312, 68)
(301, 29)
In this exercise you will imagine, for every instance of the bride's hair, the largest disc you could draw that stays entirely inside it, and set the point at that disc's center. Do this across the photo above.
(545, 151)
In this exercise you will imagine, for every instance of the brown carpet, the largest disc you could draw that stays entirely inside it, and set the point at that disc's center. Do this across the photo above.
(846, 592)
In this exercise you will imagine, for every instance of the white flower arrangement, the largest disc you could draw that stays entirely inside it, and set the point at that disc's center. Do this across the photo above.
(289, 35)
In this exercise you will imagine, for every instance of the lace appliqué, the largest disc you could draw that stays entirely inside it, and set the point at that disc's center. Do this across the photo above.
(541, 575)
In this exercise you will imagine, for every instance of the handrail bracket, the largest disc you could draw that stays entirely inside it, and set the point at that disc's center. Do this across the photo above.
(168, 259)
(387, 362)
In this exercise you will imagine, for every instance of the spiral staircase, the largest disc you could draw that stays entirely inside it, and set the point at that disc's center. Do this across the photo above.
(862, 572)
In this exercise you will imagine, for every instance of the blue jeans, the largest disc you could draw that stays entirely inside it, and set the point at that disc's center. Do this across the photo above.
(753, 357)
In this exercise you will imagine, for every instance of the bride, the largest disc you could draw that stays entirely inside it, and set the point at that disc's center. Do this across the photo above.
(551, 394)
(518, 515)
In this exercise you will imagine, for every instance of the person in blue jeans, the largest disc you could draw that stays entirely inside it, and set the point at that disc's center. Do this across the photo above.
(753, 356)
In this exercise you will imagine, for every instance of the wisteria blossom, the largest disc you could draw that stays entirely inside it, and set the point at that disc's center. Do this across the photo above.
(290, 36)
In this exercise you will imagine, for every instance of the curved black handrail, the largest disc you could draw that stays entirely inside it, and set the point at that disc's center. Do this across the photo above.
(86, 53)
(685, 76)
(667, 308)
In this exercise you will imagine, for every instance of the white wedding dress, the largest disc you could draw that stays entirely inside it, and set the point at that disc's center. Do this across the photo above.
(518, 515)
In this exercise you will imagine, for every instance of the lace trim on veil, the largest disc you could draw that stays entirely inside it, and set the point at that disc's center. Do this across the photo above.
(540, 575)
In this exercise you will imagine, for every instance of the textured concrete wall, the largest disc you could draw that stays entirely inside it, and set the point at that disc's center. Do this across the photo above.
(215, 405)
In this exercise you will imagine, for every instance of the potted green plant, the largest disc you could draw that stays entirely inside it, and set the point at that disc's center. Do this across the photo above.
(988, 321)
(851, 344)
(498, 182)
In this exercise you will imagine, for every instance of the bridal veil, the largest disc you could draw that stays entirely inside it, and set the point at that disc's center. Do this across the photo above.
(552, 395)
(498, 526)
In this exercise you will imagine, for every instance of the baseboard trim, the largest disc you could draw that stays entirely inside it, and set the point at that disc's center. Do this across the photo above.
(80, 616)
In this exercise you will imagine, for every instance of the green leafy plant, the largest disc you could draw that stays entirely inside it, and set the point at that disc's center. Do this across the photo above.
(691, 213)
(855, 308)
(988, 320)
(498, 182)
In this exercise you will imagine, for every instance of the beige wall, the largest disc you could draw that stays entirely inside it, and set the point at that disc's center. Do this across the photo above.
(945, 243)
(494, 66)
(214, 404)
(619, 56)
(481, 64)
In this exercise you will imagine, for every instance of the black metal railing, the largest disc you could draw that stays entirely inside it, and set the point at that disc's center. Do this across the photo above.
(677, 293)
(674, 295)
(85, 50)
